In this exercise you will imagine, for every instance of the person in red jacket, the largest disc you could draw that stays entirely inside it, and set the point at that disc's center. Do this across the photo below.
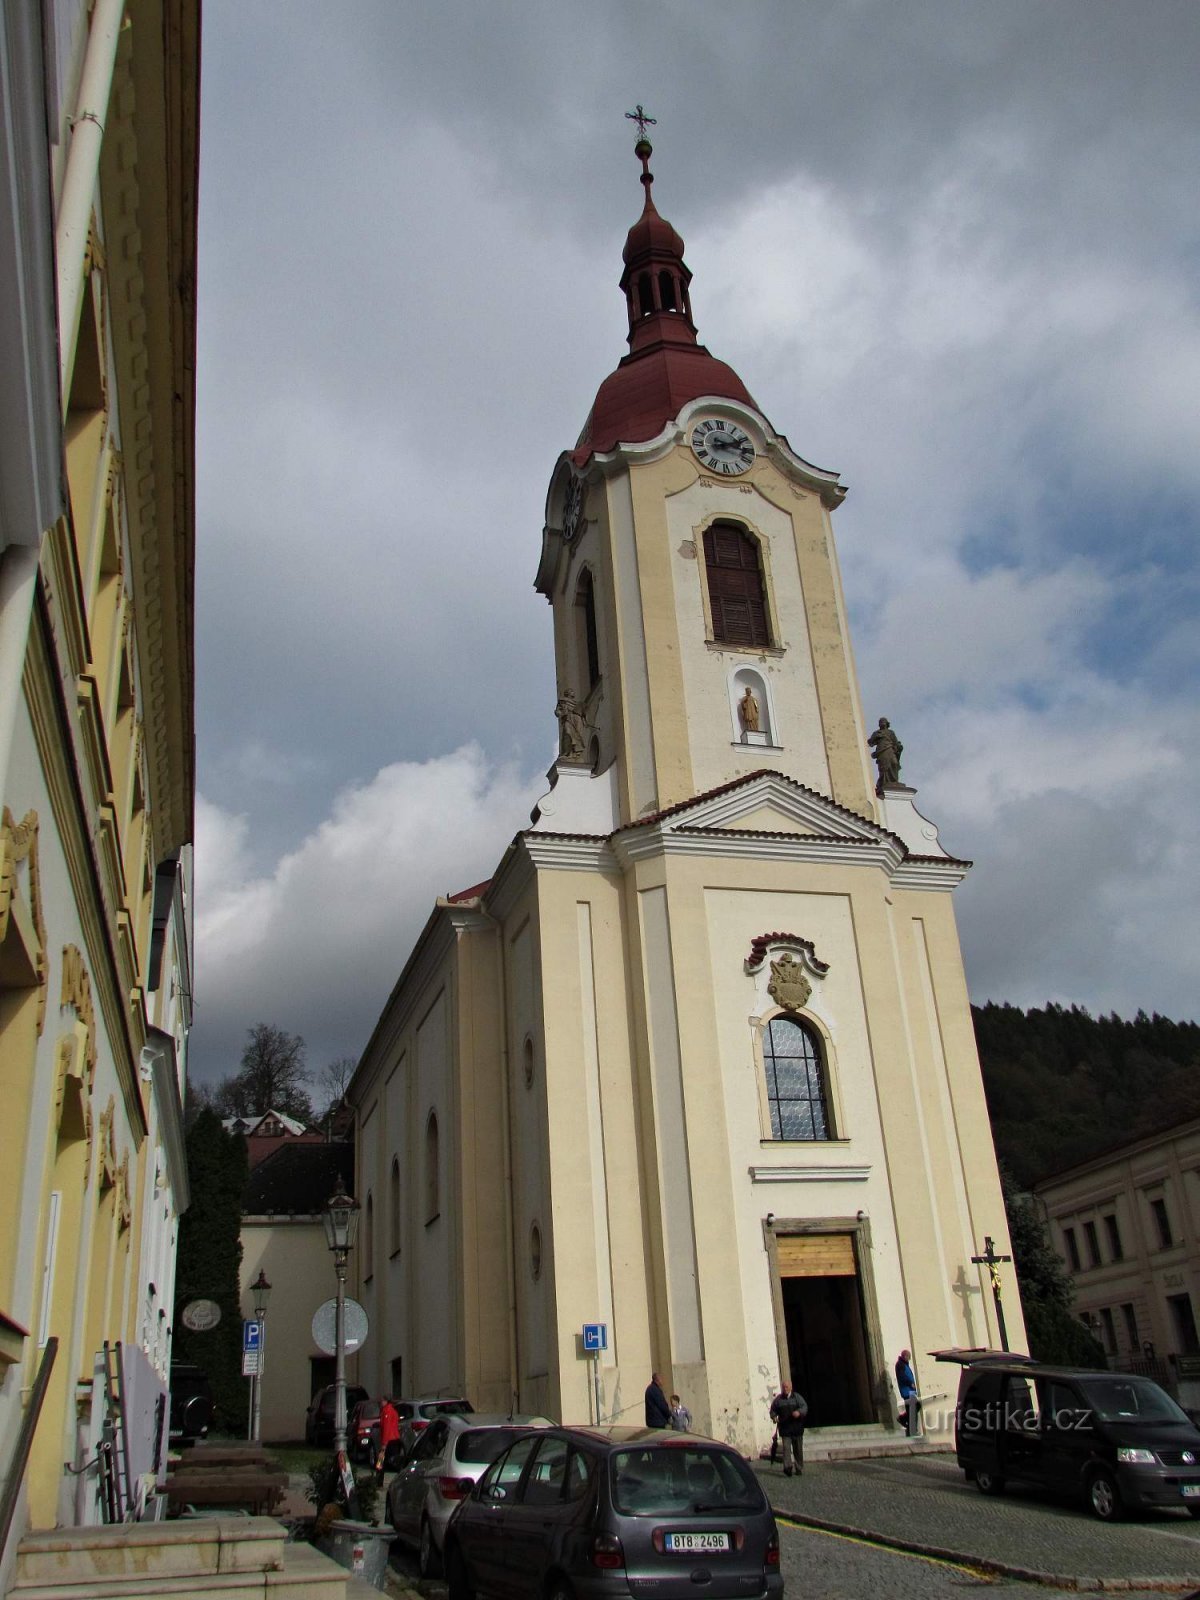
(389, 1432)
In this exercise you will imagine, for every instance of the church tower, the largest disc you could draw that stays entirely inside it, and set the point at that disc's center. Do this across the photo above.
(688, 554)
(696, 1063)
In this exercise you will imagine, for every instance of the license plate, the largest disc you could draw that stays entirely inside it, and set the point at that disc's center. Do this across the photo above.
(690, 1543)
(1190, 1491)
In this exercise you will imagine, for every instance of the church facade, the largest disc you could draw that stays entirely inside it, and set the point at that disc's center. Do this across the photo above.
(697, 1062)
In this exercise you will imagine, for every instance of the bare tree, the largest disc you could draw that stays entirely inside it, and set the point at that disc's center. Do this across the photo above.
(332, 1082)
(273, 1076)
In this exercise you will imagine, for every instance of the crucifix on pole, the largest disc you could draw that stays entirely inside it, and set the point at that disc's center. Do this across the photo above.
(991, 1261)
(642, 120)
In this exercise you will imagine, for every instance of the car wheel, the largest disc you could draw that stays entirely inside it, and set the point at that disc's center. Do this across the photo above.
(429, 1561)
(989, 1482)
(1104, 1496)
(458, 1579)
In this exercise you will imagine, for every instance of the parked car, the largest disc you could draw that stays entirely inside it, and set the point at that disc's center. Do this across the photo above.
(191, 1403)
(1118, 1441)
(318, 1420)
(416, 1415)
(445, 1462)
(362, 1431)
(603, 1513)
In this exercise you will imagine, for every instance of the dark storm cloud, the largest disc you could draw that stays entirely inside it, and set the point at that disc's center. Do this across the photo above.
(952, 252)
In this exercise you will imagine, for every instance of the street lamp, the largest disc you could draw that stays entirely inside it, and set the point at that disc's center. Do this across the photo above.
(261, 1290)
(341, 1227)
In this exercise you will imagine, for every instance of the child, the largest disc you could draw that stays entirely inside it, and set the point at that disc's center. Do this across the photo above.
(681, 1417)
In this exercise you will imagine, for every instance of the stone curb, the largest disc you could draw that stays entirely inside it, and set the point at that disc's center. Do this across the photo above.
(1180, 1585)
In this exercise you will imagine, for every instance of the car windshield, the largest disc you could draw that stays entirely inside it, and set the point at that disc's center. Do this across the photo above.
(661, 1480)
(478, 1446)
(1119, 1399)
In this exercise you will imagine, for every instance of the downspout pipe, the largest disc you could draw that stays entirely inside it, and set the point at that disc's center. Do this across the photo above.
(82, 172)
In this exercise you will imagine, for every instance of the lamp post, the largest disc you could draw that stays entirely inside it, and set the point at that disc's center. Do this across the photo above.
(261, 1290)
(341, 1227)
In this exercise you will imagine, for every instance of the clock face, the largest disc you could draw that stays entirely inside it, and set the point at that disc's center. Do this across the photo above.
(722, 446)
(572, 506)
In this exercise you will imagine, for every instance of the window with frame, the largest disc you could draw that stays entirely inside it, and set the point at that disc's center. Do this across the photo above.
(795, 1074)
(1114, 1237)
(432, 1176)
(736, 591)
(588, 643)
(394, 1206)
(1072, 1248)
(1093, 1244)
(1158, 1210)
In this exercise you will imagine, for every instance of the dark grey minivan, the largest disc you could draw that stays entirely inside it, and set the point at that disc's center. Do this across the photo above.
(613, 1512)
(1119, 1441)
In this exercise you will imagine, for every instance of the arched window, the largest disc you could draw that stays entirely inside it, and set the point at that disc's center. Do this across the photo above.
(394, 1207)
(735, 586)
(795, 1080)
(369, 1238)
(432, 1183)
(666, 291)
(645, 295)
(585, 617)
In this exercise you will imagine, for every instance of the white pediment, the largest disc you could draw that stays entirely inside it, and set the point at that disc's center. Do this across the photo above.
(771, 803)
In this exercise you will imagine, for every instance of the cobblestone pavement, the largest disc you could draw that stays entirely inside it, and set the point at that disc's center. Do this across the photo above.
(925, 1501)
(826, 1566)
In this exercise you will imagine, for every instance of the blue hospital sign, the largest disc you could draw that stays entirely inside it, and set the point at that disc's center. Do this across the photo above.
(595, 1336)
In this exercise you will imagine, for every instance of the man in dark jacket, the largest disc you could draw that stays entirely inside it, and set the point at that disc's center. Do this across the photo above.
(658, 1412)
(789, 1413)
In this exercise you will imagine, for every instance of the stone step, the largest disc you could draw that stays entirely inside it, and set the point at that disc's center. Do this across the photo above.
(856, 1443)
(305, 1574)
(190, 1547)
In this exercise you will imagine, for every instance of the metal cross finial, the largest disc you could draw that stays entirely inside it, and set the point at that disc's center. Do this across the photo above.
(643, 121)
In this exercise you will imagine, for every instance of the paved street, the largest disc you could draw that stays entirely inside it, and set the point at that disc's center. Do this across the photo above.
(925, 1500)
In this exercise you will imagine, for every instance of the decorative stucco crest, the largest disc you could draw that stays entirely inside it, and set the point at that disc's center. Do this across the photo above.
(794, 963)
(124, 1200)
(789, 987)
(18, 844)
(77, 993)
(108, 1145)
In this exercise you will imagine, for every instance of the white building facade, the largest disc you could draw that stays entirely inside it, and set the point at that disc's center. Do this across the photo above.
(697, 1062)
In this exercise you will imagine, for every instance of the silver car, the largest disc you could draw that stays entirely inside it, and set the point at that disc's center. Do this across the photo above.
(451, 1453)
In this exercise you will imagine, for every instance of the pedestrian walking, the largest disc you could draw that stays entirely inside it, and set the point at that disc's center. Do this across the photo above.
(658, 1412)
(910, 1401)
(389, 1433)
(681, 1417)
(789, 1413)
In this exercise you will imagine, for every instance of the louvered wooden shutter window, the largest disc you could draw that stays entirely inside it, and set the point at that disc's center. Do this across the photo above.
(735, 586)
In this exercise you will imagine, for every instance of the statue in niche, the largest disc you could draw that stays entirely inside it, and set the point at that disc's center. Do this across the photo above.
(573, 730)
(887, 750)
(748, 711)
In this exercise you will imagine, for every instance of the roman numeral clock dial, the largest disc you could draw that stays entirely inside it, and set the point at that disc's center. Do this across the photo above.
(722, 447)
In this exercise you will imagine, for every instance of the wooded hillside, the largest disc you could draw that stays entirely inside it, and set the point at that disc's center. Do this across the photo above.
(1063, 1085)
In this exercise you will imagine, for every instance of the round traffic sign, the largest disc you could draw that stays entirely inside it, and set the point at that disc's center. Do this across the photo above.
(354, 1329)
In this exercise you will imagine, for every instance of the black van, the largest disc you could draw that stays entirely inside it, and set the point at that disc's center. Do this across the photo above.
(1118, 1440)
